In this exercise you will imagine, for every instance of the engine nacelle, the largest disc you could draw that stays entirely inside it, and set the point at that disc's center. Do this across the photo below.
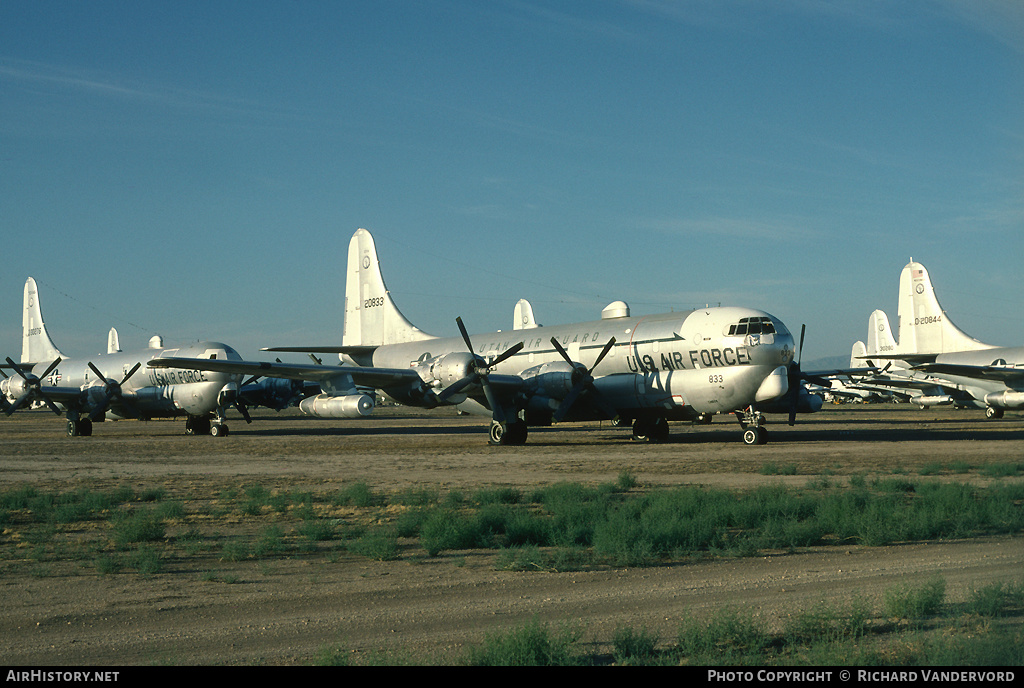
(327, 406)
(13, 387)
(937, 400)
(228, 394)
(552, 380)
(1005, 400)
(450, 368)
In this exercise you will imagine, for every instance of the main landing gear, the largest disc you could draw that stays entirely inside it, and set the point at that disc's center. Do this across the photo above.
(508, 434)
(650, 430)
(79, 427)
(204, 425)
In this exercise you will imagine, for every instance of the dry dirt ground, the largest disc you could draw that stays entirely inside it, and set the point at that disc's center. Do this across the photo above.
(286, 610)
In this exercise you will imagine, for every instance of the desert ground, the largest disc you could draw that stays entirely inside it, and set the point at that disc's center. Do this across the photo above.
(286, 610)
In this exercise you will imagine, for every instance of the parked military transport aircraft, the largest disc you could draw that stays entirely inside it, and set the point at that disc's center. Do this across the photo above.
(649, 369)
(935, 357)
(88, 395)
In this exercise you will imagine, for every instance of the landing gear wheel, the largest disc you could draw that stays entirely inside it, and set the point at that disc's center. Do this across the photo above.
(508, 434)
(196, 425)
(755, 435)
(993, 413)
(646, 430)
(219, 430)
(80, 428)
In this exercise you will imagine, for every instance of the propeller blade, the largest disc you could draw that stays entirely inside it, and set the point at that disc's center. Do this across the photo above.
(795, 378)
(18, 370)
(131, 372)
(465, 335)
(46, 400)
(100, 375)
(243, 410)
(512, 351)
(479, 374)
(604, 352)
(456, 387)
(581, 382)
(567, 403)
(19, 401)
(51, 367)
(32, 387)
(562, 352)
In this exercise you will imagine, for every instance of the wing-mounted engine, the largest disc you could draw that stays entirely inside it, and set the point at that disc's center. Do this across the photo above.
(549, 380)
(450, 374)
(459, 371)
(23, 387)
(106, 392)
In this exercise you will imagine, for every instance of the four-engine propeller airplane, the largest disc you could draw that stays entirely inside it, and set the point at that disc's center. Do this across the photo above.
(685, 365)
(112, 386)
(938, 359)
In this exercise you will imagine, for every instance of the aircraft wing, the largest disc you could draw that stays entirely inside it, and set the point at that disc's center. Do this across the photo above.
(1005, 374)
(840, 373)
(351, 350)
(366, 377)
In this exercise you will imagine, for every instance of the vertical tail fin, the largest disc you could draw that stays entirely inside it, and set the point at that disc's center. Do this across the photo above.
(924, 326)
(113, 342)
(371, 316)
(880, 339)
(36, 345)
(858, 356)
(522, 316)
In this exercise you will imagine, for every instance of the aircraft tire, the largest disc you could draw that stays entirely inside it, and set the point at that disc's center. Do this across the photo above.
(993, 413)
(755, 435)
(198, 425)
(508, 434)
(80, 428)
(650, 430)
(219, 430)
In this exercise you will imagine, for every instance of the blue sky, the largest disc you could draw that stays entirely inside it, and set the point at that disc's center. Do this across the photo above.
(197, 169)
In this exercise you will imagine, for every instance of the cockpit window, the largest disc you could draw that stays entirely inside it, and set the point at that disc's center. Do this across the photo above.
(745, 326)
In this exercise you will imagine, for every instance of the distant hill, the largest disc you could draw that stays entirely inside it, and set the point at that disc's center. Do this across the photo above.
(827, 363)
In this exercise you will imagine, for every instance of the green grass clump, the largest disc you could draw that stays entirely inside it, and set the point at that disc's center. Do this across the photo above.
(144, 525)
(360, 495)
(633, 646)
(727, 637)
(532, 644)
(825, 623)
(911, 602)
(998, 599)
(378, 544)
(772, 468)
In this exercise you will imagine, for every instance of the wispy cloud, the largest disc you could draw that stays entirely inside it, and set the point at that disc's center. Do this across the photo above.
(777, 229)
(1001, 19)
(80, 81)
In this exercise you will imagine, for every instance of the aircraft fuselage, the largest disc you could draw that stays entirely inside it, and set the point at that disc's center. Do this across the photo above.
(687, 362)
(148, 392)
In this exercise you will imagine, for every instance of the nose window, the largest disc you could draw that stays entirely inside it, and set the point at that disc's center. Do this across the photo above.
(745, 326)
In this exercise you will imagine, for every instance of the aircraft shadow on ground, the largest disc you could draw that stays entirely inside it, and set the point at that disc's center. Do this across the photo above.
(810, 430)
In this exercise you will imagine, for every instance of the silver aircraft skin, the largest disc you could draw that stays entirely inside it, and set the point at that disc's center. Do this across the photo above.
(116, 385)
(936, 358)
(684, 365)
